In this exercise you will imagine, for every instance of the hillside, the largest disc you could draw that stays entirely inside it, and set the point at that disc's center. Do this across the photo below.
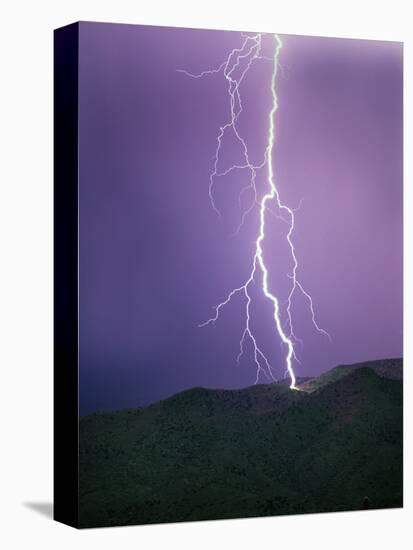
(264, 450)
(386, 368)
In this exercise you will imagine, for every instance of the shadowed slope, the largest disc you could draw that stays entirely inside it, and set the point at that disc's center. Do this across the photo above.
(206, 454)
(386, 368)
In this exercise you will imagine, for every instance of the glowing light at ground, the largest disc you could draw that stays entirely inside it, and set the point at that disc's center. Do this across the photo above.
(241, 59)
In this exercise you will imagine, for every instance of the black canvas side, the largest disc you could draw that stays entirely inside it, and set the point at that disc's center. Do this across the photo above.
(66, 464)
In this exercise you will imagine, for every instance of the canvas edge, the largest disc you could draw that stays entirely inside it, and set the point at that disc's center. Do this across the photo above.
(66, 285)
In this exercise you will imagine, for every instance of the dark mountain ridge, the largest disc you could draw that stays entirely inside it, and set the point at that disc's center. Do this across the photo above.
(386, 368)
(264, 450)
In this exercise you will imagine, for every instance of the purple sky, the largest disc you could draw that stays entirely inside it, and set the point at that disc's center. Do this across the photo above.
(154, 256)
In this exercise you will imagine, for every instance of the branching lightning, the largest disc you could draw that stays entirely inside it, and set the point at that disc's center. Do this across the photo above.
(241, 59)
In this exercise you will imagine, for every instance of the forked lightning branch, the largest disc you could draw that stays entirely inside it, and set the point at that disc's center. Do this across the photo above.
(234, 69)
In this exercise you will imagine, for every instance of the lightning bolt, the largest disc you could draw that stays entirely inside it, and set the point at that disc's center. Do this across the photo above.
(247, 54)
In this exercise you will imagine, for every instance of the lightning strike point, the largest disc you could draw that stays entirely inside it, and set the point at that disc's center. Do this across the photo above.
(243, 58)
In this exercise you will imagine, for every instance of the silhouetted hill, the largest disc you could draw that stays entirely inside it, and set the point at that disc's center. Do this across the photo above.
(387, 368)
(264, 450)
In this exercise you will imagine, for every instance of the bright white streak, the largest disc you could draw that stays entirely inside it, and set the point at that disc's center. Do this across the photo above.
(269, 196)
(254, 53)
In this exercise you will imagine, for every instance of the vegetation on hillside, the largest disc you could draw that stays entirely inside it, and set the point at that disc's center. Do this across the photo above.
(264, 450)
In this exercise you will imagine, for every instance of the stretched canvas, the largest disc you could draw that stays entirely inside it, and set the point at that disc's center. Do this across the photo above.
(228, 274)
